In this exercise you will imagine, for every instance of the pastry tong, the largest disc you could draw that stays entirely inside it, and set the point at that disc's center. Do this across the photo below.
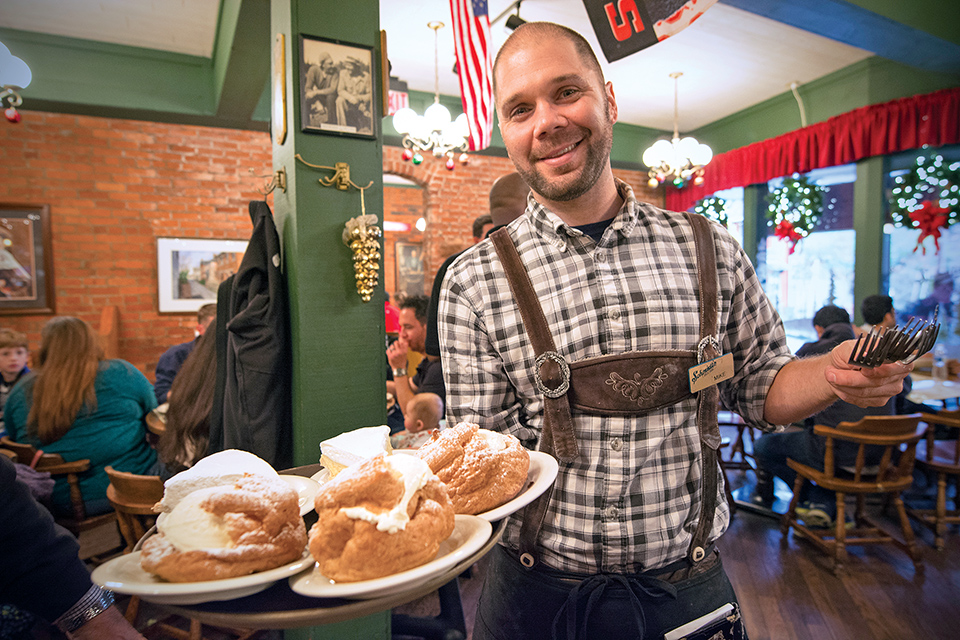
(896, 345)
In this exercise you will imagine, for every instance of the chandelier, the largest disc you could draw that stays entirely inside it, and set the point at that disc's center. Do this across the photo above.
(434, 130)
(15, 76)
(676, 159)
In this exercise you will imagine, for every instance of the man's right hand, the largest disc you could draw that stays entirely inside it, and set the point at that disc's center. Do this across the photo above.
(397, 354)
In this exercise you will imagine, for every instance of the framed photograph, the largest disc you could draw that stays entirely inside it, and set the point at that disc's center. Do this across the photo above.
(189, 271)
(409, 259)
(337, 91)
(26, 260)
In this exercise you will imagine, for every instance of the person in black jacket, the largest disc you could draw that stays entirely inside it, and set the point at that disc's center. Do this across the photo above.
(818, 505)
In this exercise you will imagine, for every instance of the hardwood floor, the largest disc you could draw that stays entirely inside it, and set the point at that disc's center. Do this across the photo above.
(787, 589)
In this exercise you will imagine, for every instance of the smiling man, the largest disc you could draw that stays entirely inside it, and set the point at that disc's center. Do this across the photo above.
(582, 346)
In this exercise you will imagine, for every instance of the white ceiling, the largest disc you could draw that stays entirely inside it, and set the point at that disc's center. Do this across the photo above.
(731, 59)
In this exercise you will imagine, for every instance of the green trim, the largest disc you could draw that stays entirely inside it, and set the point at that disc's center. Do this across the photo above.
(868, 217)
(936, 17)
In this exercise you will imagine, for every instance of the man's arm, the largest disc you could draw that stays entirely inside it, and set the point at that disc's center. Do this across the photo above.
(804, 387)
(397, 357)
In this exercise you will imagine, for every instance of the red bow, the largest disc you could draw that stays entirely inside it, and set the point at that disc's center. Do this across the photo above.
(786, 231)
(929, 218)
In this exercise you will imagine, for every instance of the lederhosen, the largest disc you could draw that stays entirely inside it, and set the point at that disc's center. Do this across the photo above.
(622, 385)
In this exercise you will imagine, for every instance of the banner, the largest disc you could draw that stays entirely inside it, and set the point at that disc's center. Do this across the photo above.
(624, 27)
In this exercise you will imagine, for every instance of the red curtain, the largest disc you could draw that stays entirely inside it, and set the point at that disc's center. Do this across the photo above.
(908, 123)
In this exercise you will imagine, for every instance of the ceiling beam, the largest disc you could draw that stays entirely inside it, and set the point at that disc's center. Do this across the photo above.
(241, 58)
(874, 25)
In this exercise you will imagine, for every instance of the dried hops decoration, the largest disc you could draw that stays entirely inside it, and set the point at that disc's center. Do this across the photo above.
(795, 208)
(926, 197)
(362, 235)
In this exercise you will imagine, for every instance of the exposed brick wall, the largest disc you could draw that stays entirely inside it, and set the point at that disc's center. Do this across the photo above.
(115, 186)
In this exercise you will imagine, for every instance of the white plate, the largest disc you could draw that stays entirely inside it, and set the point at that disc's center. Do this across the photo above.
(469, 534)
(306, 489)
(321, 476)
(124, 575)
(542, 473)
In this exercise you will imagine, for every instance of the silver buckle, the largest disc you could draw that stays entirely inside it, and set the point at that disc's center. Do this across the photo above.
(709, 341)
(564, 374)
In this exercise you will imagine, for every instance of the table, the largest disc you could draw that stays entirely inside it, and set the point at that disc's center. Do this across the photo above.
(926, 389)
(278, 607)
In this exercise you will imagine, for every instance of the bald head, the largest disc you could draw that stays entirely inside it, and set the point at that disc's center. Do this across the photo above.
(508, 199)
(532, 32)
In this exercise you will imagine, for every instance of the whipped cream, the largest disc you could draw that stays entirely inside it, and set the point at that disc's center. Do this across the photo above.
(355, 446)
(216, 470)
(190, 527)
(415, 474)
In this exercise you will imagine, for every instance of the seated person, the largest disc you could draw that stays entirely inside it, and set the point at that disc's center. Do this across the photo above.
(81, 406)
(13, 364)
(173, 358)
(187, 434)
(420, 418)
(817, 506)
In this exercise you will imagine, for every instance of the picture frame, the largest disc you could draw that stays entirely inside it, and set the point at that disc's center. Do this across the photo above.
(409, 265)
(338, 94)
(189, 271)
(26, 260)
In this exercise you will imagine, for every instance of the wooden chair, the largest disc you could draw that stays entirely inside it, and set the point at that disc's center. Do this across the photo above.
(940, 457)
(898, 435)
(10, 454)
(133, 497)
(78, 521)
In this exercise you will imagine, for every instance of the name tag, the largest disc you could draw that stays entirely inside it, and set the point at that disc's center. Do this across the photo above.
(711, 372)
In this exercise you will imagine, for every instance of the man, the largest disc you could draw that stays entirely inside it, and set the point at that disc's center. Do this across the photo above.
(612, 276)
(877, 311)
(481, 226)
(413, 331)
(321, 86)
(817, 506)
(172, 359)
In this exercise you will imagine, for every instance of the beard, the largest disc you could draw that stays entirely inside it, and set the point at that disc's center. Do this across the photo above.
(566, 188)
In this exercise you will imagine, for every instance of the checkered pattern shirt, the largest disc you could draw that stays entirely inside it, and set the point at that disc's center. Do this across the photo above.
(631, 501)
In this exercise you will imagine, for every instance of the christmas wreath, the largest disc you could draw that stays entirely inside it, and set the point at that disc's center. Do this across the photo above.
(795, 208)
(714, 208)
(926, 198)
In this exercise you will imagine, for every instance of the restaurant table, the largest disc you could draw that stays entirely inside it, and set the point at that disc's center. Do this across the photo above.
(926, 389)
(279, 607)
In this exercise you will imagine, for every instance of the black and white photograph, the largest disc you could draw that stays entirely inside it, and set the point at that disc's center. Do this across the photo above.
(336, 88)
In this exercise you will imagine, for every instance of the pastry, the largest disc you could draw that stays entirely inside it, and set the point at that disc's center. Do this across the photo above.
(227, 531)
(215, 470)
(482, 469)
(354, 446)
(379, 517)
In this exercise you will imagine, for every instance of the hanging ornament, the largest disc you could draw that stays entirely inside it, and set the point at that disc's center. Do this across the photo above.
(930, 219)
(799, 204)
(714, 208)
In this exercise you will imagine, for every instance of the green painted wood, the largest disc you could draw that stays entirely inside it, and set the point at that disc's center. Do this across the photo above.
(754, 218)
(940, 18)
(339, 364)
(869, 211)
(241, 60)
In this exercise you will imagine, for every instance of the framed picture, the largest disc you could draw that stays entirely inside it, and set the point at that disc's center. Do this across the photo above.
(337, 91)
(26, 260)
(409, 259)
(189, 271)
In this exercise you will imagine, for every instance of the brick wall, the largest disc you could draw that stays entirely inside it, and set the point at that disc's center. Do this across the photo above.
(115, 186)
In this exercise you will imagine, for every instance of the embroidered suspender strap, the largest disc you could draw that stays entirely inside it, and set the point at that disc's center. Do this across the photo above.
(552, 372)
(707, 402)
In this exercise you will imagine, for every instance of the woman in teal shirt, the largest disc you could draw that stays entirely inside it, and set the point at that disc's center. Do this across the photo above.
(79, 405)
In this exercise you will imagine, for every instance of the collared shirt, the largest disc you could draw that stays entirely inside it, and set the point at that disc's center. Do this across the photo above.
(632, 500)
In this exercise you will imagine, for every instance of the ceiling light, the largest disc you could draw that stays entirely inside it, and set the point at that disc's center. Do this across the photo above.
(434, 129)
(676, 159)
(515, 20)
(15, 76)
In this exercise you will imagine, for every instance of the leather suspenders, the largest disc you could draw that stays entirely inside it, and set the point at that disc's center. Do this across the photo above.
(625, 384)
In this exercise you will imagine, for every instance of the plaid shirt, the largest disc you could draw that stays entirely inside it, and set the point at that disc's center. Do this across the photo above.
(631, 502)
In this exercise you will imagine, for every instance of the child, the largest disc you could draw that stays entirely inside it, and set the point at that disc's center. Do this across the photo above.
(13, 364)
(420, 418)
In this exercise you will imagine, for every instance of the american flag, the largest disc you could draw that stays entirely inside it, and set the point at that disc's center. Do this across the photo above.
(471, 38)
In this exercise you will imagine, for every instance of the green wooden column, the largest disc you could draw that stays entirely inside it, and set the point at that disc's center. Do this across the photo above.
(754, 219)
(338, 340)
(868, 217)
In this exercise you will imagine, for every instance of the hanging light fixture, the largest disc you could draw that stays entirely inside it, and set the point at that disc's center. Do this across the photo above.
(434, 129)
(676, 159)
(15, 76)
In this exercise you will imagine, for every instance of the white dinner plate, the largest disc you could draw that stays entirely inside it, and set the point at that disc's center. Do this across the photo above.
(124, 575)
(306, 489)
(321, 476)
(542, 473)
(469, 534)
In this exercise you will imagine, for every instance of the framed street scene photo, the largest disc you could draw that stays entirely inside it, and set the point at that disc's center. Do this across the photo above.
(337, 93)
(26, 260)
(189, 271)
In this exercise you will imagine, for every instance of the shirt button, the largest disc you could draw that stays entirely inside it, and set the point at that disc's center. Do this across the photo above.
(610, 513)
(614, 314)
(601, 256)
(616, 444)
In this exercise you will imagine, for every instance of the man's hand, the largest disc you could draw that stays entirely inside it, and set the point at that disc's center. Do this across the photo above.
(862, 386)
(397, 354)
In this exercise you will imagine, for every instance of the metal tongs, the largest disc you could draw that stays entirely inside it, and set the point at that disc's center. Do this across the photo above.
(896, 345)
